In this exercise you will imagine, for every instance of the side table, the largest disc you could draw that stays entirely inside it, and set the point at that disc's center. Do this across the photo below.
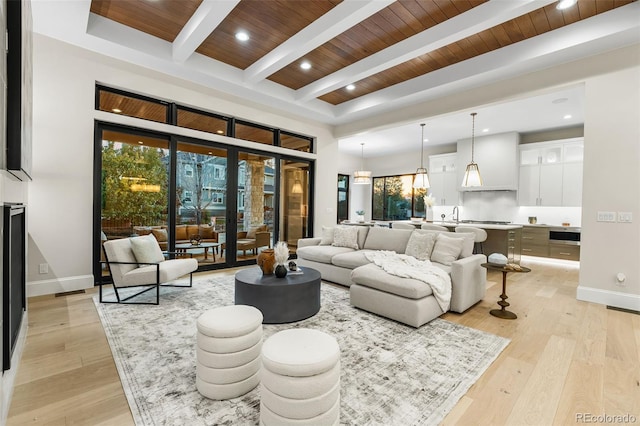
(505, 269)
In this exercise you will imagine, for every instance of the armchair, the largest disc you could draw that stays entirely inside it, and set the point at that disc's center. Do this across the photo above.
(253, 239)
(139, 262)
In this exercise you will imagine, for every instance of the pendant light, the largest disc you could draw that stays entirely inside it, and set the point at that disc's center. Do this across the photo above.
(421, 180)
(472, 174)
(362, 177)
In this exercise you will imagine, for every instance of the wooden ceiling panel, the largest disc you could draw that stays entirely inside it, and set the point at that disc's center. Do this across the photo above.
(268, 23)
(370, 36)
(161, 18)
(534, 23)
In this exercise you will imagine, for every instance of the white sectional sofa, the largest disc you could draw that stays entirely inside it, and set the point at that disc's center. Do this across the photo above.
(403, 299)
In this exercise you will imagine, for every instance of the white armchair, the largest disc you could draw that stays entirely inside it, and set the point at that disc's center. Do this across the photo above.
(139, 262)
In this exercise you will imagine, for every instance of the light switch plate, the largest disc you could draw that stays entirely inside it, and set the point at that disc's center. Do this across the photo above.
(606, 217)
(626, 217)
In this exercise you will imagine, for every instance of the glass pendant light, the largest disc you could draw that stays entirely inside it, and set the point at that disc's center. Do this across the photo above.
(362, 177)
(472, 173)
(421, 180)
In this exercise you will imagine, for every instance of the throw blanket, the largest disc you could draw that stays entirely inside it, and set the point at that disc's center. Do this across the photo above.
(402, 265)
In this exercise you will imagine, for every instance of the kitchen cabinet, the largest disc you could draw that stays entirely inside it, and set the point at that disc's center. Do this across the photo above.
(443, 179)
(535, 241)
(505, 241)
(551, 174)
(497, 159)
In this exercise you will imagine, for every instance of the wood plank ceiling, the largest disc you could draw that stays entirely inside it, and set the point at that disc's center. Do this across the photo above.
(273, 22)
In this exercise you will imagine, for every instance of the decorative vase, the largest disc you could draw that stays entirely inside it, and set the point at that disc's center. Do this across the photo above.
(195, 240)
(429, 214)
(360, 218)
(266, 261)
(281, 271)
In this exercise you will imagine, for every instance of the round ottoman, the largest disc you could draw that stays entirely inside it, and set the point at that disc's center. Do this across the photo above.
(300, 379)
(229, 343)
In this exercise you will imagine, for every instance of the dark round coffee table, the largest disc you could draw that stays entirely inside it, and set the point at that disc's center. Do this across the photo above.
(289, 299)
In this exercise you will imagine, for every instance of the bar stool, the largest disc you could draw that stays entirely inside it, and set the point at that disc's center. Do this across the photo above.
(480, 236)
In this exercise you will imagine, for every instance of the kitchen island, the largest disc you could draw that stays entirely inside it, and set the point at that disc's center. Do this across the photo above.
(504, 238)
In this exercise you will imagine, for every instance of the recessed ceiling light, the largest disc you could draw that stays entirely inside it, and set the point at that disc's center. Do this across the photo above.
(351, 87)
(242, 36)
(485, 130)
(425, 140)
(220, 132)
(140, 143)
(568, 116)
(559, 100)
(116, 110)
(305, 65)
(210, 152)
(564, 4)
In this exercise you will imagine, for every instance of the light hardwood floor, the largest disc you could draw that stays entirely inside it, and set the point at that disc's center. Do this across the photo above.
(566, 359)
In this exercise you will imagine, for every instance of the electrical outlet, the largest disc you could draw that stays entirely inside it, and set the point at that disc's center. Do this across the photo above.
(606, 217)
(44, 268)
(625, 217)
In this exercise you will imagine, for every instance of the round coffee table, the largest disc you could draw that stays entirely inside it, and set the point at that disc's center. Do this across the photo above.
(281, 300)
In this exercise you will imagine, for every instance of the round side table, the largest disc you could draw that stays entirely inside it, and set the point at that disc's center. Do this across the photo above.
(505, 269)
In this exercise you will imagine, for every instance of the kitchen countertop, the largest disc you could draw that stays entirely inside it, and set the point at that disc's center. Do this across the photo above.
(480, 225)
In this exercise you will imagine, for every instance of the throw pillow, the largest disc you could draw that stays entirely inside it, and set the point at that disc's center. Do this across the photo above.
(181, 233)
(346, 237)
(146, 249)
(251, 233)
(327, 235)
(160, 234)
(206, 231)
(446, 249)
(420, 245)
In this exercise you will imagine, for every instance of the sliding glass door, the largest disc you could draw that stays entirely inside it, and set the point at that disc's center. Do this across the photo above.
(295, 184)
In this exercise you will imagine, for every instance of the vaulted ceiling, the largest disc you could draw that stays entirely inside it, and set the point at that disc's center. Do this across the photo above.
(392, 52)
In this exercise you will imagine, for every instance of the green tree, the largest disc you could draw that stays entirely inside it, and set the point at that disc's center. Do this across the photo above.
(134, 186)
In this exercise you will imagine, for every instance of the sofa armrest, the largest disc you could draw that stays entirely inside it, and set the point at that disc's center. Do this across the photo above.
(305, 242)
(263, 238)
(468, 282)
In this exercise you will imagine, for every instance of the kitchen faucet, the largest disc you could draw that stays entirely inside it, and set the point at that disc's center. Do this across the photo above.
(456, 214)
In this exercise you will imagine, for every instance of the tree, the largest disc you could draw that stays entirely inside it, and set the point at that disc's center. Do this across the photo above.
(196, 184)
(134, 186)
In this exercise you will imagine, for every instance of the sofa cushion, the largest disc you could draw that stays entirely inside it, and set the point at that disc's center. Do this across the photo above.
(146, 249)
(160, 234)
(346, 237)
(373, 276)
(447, 249)
(181, 233)
(327, 235)
(363, 231)
(380, 238)
(207, 232)
(322, 254)
(351, 260)
(420, 245)
(467, 246)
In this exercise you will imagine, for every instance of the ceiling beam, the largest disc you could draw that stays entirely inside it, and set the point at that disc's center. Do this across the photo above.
(478, 19)
(331, 24)
(206, 18)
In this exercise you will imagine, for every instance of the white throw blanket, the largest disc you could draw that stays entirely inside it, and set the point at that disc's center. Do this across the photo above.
(402, 265)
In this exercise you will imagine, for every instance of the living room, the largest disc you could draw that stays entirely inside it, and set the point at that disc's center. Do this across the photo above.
(60, 197)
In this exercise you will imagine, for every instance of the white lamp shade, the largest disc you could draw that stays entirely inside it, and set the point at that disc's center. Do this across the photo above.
(362, 177)
(472, 176)
(421, 179)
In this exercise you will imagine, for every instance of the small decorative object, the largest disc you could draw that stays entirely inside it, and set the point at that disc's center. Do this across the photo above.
(267, 261)
(533, 220)
(195, 240)
(293, 266)
(429, 202)
(281, 254)
(498, 259)
(360, 216)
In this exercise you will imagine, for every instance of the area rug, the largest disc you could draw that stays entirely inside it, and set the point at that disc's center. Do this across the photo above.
(391, 374)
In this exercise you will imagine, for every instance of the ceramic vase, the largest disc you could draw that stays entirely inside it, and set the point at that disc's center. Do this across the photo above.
(267, 261)
(281, 271)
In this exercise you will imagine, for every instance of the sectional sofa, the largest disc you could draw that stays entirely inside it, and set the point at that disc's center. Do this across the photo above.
(403, 299)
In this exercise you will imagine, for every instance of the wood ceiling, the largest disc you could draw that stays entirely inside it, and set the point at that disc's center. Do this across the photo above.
(276, 28)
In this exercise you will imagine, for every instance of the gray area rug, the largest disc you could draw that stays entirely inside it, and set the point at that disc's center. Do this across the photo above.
(392, 374)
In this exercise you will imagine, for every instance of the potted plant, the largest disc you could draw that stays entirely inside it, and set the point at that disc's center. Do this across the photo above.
(360, 216)
(429, 202)
(281, 254)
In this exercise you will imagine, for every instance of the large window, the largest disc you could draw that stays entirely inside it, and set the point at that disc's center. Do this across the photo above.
(343, 197)
(393, 198)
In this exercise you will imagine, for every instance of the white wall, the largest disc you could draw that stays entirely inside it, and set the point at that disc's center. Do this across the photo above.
(611, 183)
(61, 194)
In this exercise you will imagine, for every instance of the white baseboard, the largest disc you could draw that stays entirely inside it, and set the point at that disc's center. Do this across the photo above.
(609, 298)
(59, 285)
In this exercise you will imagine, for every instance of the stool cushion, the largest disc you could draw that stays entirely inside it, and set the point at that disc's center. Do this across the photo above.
(301, 387)
(229, 321)
(223, 376)
(228, 391)
(232, 359)
(299, 408)
(331, 417)
(300, 352)
(225, 345)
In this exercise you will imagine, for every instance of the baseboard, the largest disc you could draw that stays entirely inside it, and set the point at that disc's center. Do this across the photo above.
(609, 298)
(59, 285)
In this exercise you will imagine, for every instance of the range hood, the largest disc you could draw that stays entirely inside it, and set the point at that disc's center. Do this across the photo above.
(497, 159)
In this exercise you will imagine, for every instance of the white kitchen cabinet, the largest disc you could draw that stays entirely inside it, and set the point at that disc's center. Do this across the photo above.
(443, 179)
(551, 174)
(497, 159)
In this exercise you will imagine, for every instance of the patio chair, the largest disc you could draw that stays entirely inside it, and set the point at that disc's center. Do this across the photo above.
(139, 262)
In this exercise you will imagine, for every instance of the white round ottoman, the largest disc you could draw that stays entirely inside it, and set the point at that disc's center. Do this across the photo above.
(229, 343)
(300, 379)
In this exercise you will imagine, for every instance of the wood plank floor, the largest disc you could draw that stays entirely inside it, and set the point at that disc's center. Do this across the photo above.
(566, 359)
